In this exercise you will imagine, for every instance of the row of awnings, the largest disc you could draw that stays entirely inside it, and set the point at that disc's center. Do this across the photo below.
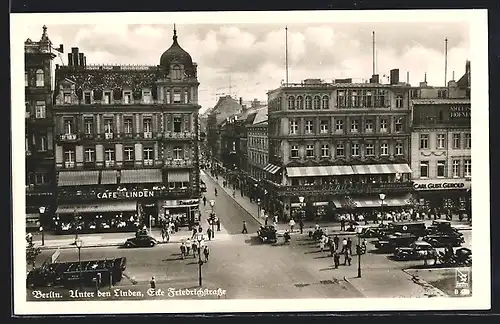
(102, 207)
(340, 170)
(85, 178)
(364, 202)
(271, 168)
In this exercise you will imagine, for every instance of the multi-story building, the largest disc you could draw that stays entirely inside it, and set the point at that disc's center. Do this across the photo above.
(338, 145)
(40, 176)
(257, 151)
(441, 148)
(126, 142)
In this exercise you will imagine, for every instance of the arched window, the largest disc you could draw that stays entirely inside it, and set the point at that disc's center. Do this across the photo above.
(308, 102)
(291, 102)
(40, 78)
(176, 72)
(317, 102)
(326, 102)
(299, 103)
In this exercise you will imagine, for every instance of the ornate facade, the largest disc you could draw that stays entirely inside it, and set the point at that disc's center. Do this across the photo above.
(127, 134)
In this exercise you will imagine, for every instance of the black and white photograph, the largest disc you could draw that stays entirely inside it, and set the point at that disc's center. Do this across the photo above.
(250, 161)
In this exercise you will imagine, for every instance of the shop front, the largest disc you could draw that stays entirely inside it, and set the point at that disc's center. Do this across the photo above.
(446, 196)
(185, 211)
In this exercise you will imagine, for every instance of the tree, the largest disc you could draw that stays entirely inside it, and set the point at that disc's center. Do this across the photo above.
(32, 251)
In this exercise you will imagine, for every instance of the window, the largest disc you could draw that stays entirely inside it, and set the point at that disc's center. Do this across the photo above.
(129, 154)
(323, 127)
(291, 103)
(339, 125)
(40, 110)
(317, 102)
(355, 149)
(341, 99)
(467, 168)
(107, 97)
(294, 127)
(441, 141)
(40, 78)
(325, 102)
(399, 101)
(383, 125)
(398, 125)
(299, 103)
(177, 124)
(456, 168)
(127, 97)
(68, 126)
(456, 140)
(441, 93)
(148, 156)
(468, 141)
(424, 141)
(43, 143)
(176, 72)
(340, 150)
(178, 153)
(69, 156)
(186, 96)
(127, 125)
(147, 125)
(89, 126)
(26, 79)
(325, 150)
(108, 126)
(294, 151)
(87, 98)
(67, 98)
(354, 126)
(384, 149)
(167, 96)
(370, 150)
(399, 148)
(109, 157)
(308, 102)
(309, 151)
(369, 126)
(367, 98)
(89, 155)
(40, 178)
(177, 96)
(355, 99)
(309, 126)
(146, 96)
(424, 169)
(441, 169)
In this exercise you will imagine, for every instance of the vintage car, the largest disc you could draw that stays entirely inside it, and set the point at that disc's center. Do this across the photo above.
(367, 231)
(267, 234)
(390, 242)
(415, 228)
(418, 250)
(460, 257)
(140, 241)
(444, 239)
(442, 226)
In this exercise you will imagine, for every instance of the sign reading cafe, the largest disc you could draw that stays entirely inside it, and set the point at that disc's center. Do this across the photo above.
(442, 184)
(125, 194)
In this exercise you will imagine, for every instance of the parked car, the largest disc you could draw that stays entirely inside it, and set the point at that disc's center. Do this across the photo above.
(444, 239)
(415, 228)
(267, 234)
(392, 241)
(442, 226)
(140, 241)
(419, 250)
(367, 231)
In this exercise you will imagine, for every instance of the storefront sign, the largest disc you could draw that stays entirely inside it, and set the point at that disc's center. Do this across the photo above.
(445, 184)
(126, 194)
(459, 112)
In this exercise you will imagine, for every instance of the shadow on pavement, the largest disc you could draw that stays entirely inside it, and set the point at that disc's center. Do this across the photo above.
(172, 259)
(377, 251)
(311, 252)
(254, 240)
(322, 257)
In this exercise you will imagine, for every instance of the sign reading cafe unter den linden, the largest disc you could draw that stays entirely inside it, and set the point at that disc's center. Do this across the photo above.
(125, 194)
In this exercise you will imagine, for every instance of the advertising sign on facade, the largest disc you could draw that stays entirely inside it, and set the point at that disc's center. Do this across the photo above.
(442, 184)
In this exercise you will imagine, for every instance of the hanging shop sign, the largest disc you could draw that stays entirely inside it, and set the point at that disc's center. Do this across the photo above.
(444, 184)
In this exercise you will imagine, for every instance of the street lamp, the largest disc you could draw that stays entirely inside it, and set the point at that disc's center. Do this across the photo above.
(75, 221)
(200, 261)
(358, 230)
(212, 217)
(79, 244)
(150, 220)
(382, 198)
(258, 207)
(42, 210)
(301, 199)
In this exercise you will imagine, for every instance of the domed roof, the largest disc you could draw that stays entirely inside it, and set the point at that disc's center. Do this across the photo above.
(177, 54)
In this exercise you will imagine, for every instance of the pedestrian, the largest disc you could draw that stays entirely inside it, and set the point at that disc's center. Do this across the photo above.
(347, 257)
(266, 218)
(152, 283)
(336, 242)
(336, 260)
(206, 253)
(344, 245)
(188, 246)
(292, 224)
(200, 229)
(183, 249)
(194, 246)
(301, 225)
(209, 233)
(194, 233)
(342, 223)
(244, 230)
(276, 219)
(349, 245)
(322, 242)
(215, 191)
(163, 234)
(234, 193)
(204, 201)
(332, 248)
(217, 222)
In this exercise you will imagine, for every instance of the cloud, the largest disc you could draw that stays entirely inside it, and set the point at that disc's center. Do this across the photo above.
(247, 60)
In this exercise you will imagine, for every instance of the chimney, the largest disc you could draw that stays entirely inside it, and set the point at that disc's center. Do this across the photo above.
(394, 76)
(70, 59)
(84, 61)
(61, 48)
(80, 59)
(375, 78)
(74, 50)
(241, 101)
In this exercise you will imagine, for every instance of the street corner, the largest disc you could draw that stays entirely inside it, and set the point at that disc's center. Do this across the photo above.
(453, 282)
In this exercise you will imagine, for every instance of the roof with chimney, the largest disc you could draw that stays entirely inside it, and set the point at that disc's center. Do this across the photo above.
(226, 107)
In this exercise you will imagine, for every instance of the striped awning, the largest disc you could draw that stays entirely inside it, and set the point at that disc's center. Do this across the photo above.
(271, 168)
(141, 176)
(178, 176)
(381, 168)
(388, 202)
(337, 203)
(319, 171)
(109, 177)
(104, 207)
(77, 178)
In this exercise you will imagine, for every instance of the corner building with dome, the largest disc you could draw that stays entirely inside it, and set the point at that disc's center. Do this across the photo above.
(126, 143)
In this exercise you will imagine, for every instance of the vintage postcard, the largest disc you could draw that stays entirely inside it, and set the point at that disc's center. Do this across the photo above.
(242, 162)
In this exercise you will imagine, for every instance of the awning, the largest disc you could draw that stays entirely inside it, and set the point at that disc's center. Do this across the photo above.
(271, 168)
(337, 203)
(388, 202)
(319, 171)
(381, 168)
(178, 176)
(104, 207)
(109, 177)
(141, 176)
(77, 178)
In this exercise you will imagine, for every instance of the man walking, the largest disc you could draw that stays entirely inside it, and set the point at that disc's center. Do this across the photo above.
(344, 245)
(244, 231)
(266, 218)
(301, 225)
(204, 201)
(292, 224)
(206, 253)
(336, 242)
(209, 233)
(349, 245)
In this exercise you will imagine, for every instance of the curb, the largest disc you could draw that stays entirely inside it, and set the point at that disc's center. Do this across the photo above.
(361, 295)
(424, 284)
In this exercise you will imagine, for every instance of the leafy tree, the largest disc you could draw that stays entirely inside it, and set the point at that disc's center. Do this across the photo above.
(32, 251)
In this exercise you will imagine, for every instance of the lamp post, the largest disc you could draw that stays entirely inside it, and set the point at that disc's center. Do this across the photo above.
(301, 200)
(212, 217)
(150, 220)
(258, 207)
(75, 220)
(79, 244)
(200, 261)
(358, 230)
(42, 210)
(382, 198)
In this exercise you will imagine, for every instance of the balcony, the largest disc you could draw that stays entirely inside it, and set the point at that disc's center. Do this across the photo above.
(148, 135)
(109, 164)
(180, 135)
(108, 136)
(69, 165)
(345, 189)
(178, 163)
(68, 137)
(148, 162)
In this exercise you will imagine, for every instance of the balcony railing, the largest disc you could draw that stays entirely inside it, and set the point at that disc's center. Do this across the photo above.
(109, 164)
(68, 137)
(178, 163)
(148, 135)
(148, 162)
(108, 135)
(345, 189)
(180, 135)
(69, 165)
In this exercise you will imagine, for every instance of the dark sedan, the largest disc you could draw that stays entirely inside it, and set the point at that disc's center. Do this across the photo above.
(140, 241)
(416, 251)
(443, 240)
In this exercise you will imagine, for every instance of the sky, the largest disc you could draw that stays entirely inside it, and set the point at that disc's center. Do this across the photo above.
(247, 60)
